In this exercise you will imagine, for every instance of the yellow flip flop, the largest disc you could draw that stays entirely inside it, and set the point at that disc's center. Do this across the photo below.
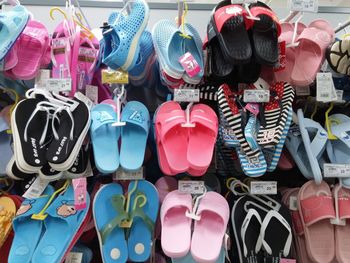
(7, 212)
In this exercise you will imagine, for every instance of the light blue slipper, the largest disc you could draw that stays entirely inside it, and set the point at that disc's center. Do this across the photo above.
(61, 226)
(122, 40)
(5, 146)
(12, 24)
(168, 45)
(104, 138)
(108, 211)
(134, 135)
(144, 210)
(315, 139)
(28, 231)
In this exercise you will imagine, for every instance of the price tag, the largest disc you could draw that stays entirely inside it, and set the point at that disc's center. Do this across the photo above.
(123, 175)
(190, 64)
(36, 189)
(304, 5)
(332, 170)
(57, 85)
(263, 188)
(293, 203)
(253, 108)
(191, 187)
(115, 76)
(325, 90)
(287, 260)
(80, 191)
(256, 95)
(340, 94)
(92, 93)
(74, 257)
(83, 98)
(186, 95)
(303, 91)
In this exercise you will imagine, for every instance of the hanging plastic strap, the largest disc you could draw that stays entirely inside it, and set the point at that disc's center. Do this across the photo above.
(120, 95)
(194, 214)
(188, 123)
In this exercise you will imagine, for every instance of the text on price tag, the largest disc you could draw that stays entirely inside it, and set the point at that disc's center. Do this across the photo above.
(304, 5)
(263, 188)
(191, 187)
(121, 174)
(57, 85)
(332, 170)
(256, 95)
(186, 95)
(36, 189)
(325, 90)
(115, 76)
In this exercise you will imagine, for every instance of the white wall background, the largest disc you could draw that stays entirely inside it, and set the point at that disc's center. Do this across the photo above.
(198, 19)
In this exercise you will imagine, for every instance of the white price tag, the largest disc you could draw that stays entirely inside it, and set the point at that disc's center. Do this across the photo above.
(256, 95)
(186, 95)
(191, 187)
(325, 90)
(293, 203)
(36, 189)
(43, 74)
(340, 94)
(332, 170)
(304, 5)
(123, 175)
(263, 188)
(83, 98)
(303, 91)
(58, 85)
(74, 257)
(92, 93)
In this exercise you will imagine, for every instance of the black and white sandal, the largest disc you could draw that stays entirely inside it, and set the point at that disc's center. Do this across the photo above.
(81, 163)
(50, 174)
(14, 173)
(338, 56)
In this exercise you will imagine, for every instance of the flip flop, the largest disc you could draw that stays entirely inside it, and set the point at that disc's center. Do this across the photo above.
(265, 33)
(104, 138)
(338, 57)
(230, 26)
(314, 41)
(108, 211)
(337, 150)
(8, 211)
(61, 225)
(315, 140)
(134, 135)
(316, 208)
(144, 212)
(209, 230)
(286, 161)
(174, 220)
(189, 259)
(28, 231)
(5, 145)
(12, 22)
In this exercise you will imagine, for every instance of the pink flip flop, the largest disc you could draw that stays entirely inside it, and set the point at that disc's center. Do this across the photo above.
(171, 138)
(286, 161)
(74, 60)
(316, 208)
(342, 233)
(202, 137)
(209, 230)
(176, 226)
(11, 59)
(32, 44)
(310, 53)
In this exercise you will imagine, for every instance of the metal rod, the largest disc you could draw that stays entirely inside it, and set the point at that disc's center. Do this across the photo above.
(342, 26)
(82, 13)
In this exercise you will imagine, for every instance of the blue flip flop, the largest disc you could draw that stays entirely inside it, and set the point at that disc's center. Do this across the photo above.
(12, 24)
(144, 205)
(108, 212)
(5, 146)
(61, 225)
(134, 135)
(104, 138)
(28, 231)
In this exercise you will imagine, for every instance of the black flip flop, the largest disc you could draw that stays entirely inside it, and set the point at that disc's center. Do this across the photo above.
(230, 26)
(81, 163)
(16, 174)
(48, 173)
(248, 73)
(265, 34)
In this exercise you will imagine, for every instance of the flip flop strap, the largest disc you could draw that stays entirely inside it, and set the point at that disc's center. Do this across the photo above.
(259, 10)
(251, 213)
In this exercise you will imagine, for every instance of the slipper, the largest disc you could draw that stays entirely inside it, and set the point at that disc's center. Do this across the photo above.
(5, 145)
(108, 211)
(12, 24)
(202, 137)
(265, 33)
(338, 57)
(230, 26)
(144, 212)
(134, 135)
(174, 220)
(315, 139)
(61, 225)
(165, 185)
(210, 229)
(11, 58)
(32, 46)
(309, 57)
(28, 231)
(248, 73)
(50, 174)
(104, 138)
(339, 149)
(286, 161)
(189, 259)
(7, 212)
(226, 135)
(81, 163)
(316, 208)
(171, 138)
(15, 173)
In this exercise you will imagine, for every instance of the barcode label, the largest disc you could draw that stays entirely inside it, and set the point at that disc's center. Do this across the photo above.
(191, 187)
(263, 188)
(332, 170)
(325, 90)
(36, 189)
(256, 95)
(186, 95)
(304, 5)
(123, 175)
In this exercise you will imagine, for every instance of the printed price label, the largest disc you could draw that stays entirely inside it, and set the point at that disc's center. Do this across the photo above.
(115, 76)
(263, 188)
(191, 187)
(36, 189)
(340, 94)
(74, 257)
(256, 95)
(303, 91)
(186, 95)
(325, 90)
(332, 170)
(123, 175)
(304, 5)
(57, 85)
(92, 93)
